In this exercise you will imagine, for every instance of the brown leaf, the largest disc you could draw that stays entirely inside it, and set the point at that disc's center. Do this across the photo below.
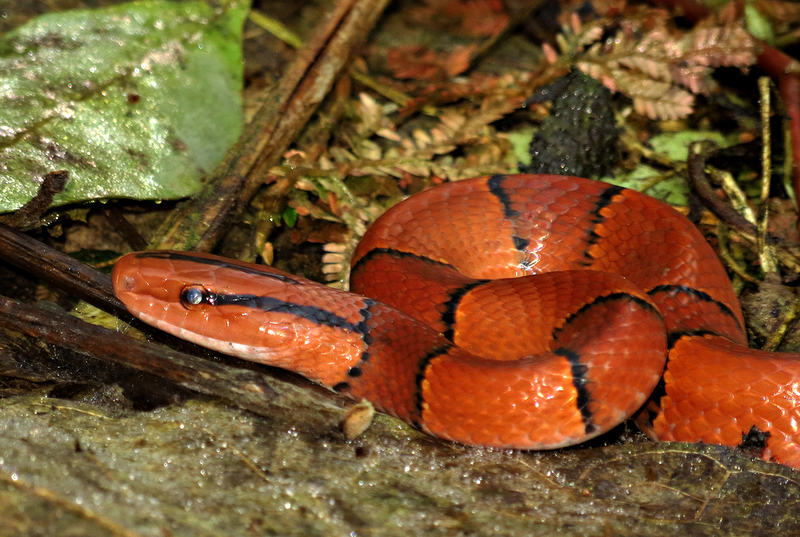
(480, 18)
(459, 60)
(474, 18)
(413, 61)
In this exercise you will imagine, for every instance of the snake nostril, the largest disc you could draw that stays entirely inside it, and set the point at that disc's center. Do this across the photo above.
(129, 283)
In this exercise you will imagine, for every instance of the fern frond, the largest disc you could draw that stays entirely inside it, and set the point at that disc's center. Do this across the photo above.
(657, 68)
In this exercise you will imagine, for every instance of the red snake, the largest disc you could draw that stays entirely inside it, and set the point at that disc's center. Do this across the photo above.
(524, 311)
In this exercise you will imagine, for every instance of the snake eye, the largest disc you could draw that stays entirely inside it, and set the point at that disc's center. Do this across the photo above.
(193, 295)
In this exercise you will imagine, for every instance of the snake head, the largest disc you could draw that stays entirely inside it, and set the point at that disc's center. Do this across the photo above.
(250, 311)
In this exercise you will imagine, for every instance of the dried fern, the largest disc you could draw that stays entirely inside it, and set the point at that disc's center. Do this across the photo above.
(661, 70)
(370, 144)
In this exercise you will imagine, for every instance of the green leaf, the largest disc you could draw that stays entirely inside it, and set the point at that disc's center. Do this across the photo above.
(673, 190)
(290, 216)
(758, 25)
(521, 142)
(136, 101)
(674, 145)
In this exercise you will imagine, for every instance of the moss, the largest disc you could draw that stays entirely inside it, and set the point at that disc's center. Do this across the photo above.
(580, 136)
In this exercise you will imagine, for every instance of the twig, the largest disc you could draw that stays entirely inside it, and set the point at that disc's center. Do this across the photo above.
(124, 228)
(699, 152)
(725, 254)
(53, 266)
(27, 217)
(765, 251)
(738, 199)
(277, 29)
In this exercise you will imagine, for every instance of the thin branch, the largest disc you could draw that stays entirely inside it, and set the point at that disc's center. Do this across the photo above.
(699, 152)
(766, 255)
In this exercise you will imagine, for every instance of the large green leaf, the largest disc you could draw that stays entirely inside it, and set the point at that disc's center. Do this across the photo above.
(135, 101)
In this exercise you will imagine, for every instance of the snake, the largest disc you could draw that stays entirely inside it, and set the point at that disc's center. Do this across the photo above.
(512, 311)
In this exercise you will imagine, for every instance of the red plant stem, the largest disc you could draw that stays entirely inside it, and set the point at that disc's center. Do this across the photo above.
(783, 69)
